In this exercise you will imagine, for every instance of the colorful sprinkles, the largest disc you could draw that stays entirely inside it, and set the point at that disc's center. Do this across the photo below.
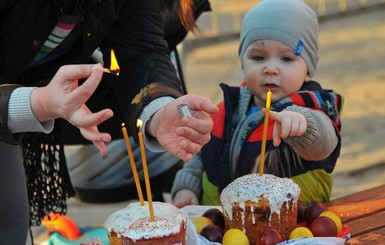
(134, 221)
(254, 188)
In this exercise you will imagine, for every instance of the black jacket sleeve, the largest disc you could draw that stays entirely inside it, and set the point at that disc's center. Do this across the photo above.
(142, 53)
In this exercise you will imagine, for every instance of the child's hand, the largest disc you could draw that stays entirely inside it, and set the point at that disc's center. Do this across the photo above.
(287, 124)
(185, 197)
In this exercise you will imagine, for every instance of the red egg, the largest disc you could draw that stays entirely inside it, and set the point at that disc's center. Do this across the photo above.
(213, 233)
(313, 210)
(300, 212)
(323, 227)
(216, 216)
(269, 236)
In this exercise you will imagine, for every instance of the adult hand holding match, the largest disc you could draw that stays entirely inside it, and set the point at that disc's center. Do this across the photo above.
(64, 98)
(185, 136)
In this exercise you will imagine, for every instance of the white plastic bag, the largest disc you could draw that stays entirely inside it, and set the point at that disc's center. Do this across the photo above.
(315, 241)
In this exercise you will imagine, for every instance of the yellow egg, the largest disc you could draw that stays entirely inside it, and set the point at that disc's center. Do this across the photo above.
(333, 216)
(235, 237)
(300, 232)
(201, 222)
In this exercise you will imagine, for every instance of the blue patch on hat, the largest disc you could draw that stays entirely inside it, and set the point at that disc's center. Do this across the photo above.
(298, 49)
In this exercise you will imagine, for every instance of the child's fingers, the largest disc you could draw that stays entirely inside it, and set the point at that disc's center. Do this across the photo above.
(273, 115)
(277, 134)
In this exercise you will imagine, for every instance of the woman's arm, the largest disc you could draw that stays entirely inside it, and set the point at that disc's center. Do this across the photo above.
(33, 109)
(148, 86)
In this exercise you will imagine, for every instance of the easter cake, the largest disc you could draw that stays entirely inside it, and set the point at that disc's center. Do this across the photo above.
(132, 225)
(252, 203)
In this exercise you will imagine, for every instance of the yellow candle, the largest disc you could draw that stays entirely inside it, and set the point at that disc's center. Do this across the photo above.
(145, 171)
(265, 124)
(133, 165)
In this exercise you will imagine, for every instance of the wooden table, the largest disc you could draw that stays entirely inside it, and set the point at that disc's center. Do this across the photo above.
(364, 213)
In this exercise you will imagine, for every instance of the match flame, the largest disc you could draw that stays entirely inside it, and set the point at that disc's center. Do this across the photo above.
(138, 123)
(114, 63)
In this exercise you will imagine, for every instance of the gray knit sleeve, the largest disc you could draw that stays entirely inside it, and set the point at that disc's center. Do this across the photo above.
(189, 177)
(20, 115)
(320, 138)
(148, 111)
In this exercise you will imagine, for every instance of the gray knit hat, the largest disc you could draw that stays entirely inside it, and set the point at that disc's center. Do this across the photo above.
(291, 22)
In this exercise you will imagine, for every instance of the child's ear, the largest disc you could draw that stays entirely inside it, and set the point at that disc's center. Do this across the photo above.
(307, 78)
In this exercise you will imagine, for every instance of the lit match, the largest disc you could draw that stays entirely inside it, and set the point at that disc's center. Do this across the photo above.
(114, 67)
(116, 72)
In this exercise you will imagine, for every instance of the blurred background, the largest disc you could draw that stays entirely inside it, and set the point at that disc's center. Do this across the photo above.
(352, 62)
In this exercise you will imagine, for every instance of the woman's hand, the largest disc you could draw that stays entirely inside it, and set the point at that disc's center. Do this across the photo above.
(64, 98)
(185, 136)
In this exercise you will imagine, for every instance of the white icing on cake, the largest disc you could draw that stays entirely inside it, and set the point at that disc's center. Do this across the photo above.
(134, 221)
(252, 187)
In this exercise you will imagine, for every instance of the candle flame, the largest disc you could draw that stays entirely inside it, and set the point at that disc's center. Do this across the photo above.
(114, 67)
(139, 123)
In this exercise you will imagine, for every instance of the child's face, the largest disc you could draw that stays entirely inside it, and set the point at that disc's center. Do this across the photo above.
(271, 65)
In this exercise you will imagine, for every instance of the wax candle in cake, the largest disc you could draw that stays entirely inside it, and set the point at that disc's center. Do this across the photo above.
(265, 124)
(145, 170)
(133, 164)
